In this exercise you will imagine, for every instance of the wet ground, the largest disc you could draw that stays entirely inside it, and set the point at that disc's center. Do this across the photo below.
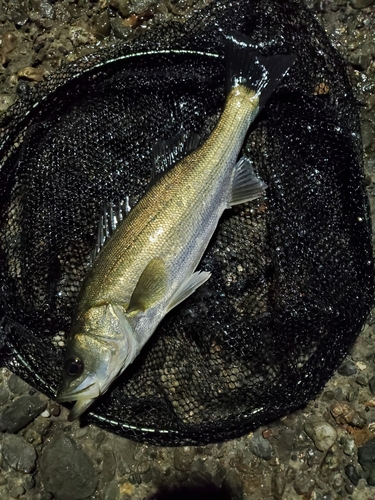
(324, 451)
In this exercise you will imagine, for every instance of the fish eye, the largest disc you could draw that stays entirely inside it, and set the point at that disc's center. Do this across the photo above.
(73, 367)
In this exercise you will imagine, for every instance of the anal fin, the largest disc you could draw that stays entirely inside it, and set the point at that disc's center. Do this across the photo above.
(188, 287)
(245, 186)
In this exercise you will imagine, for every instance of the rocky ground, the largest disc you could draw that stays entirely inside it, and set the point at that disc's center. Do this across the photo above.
(324, 451)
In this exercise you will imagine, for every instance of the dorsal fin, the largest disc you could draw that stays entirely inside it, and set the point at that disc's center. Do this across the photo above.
(167, 153)
(110, 218)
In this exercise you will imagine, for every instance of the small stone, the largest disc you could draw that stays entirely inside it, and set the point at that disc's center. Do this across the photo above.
(124, 6)
(371, 384)
(4, 393)
(361, 365)
(278, 484)
(260, 447)
(34, 74)
(348, 368)
(20, 19)
(143, 467)
(352, 395)
(349, 447)
(55, 410)
(45, 414)
(366, 458)
(28, 483)
(17, 385)
(303, 486)
(343, 413)
(361, 4)
(183, 457)
(360, 61)
(9, 42)
(322, 433)
(18, 454)
(33, 437)
(79, 36)
(17, 491)
(101, 25)
(126, 488)
(3, 480)
(331, 461)
(47, 10)
(361, 380)
(352, 474)
(112, 491)
(20, 413)
(5, 102)
(66, 471)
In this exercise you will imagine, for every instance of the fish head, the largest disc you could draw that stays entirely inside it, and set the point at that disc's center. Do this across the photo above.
(100, 347)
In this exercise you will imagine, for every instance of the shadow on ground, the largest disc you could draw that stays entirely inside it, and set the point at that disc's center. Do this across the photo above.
(203, 492)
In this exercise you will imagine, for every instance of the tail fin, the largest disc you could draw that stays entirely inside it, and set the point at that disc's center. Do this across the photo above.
(245, 66)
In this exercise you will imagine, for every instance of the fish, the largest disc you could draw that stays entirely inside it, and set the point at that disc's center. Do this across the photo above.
(149, 263)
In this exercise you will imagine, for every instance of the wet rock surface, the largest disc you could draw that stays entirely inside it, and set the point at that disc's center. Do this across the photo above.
(325, 451)
(66, 470)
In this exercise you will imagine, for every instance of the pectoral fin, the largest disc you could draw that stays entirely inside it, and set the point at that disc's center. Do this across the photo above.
(188, 287)
(150, 288)
(246, 186)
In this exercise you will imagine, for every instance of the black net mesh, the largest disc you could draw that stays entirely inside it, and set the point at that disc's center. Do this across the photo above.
(292, 274)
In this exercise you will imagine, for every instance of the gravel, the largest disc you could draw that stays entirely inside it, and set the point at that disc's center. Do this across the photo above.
(323, 451)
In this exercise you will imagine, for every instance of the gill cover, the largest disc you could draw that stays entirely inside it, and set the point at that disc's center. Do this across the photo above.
(96, 357)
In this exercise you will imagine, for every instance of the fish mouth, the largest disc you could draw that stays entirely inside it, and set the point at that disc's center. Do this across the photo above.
(87, 389)
(79, 407)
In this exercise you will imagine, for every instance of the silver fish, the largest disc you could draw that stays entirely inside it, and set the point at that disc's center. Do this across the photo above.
(148, 266)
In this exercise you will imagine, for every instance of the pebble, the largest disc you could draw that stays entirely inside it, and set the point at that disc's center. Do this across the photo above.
(33, 74)
(17, 491)
(28, 483)
(17, 385)
(371, 384)
(55, 410)
(343, 413)
(352, 474)
(361, 365)
(5, 102)
(4, 393)
(260, 447)
(366, 457)
(112, 491)
(183, 457)
(46, 10)
(303, 485)
(21, 412)
(347, 368)
(8, 43)
(361, 4)
(66, 471)
(18, 454)
(322, 433)
(349, 447)
(278, 484)
(361, 380)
